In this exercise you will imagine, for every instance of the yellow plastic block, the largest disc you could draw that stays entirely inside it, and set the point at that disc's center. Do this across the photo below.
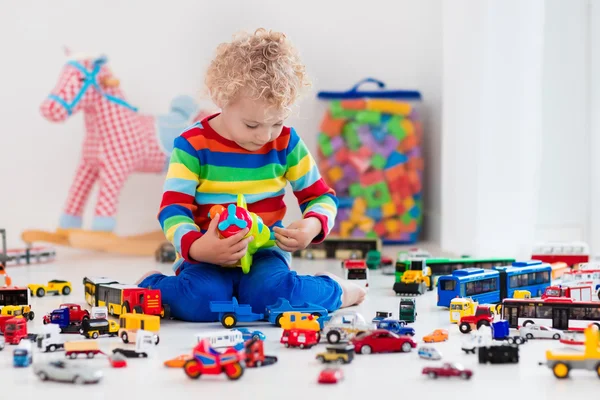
(388, 210)
(356, 217)
(335, 174)
(408, 203)
(366, 224)
(360, 206)
(389, 106)
(345, 228)
(392, 225)
(408, 127)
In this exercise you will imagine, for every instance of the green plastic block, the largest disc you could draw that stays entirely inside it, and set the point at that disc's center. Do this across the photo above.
(325, 145)
(369, 117)
(406, 218)
(335, 107)
(350, 134)
(377, 194)
(372, 235)
(355, 190)
(378, 161)
(394, 127)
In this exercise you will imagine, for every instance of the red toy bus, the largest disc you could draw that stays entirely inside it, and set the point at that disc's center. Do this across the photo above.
(571, 253)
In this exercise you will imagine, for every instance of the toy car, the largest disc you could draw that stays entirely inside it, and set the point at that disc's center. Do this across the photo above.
(22, 355)
(303, 338)
(344, 354)
(206, 360)
(429, 353)
(117, 360)
(396, 326)
(299, 320)
(247, 334)
(439, 335)
(165, 253)
(54, 287)
(541, 332)
(274, 312)
(381, 315)
(331, 375)
(382, 341)
(16, 311)
(66, 372)
(344, 326)
(448, 370)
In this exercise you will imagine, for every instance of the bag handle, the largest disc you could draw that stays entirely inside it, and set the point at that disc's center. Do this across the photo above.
(379, 83)
(380, 92)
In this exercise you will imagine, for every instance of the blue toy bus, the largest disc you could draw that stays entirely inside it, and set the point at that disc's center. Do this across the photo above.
(492, 286)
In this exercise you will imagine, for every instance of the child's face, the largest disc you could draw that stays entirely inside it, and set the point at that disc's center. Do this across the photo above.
(252, 123)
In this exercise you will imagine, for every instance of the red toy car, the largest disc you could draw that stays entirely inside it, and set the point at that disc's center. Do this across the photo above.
(331, 375)
(448, 370)
(382, 341)
(303, 338)
(117, 360)
(207, 360)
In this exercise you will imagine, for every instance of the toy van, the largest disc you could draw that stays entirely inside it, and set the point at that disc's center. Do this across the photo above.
(223, 338)
(129, 324)
(305, 339)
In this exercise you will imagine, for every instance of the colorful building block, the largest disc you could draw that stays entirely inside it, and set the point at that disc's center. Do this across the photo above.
(345, 202)
(394, 173)
(372, 177)
(389, 106)
(360, 206)
(359, 163)
(392, 225)
(407, 144)
(341, 156)
(374, 213)
(377, 195)
(395, 128)
(350, 134)
(355, 190)
(408, 127)
(368, 117)
(388, 209)
(335, 174)
(354, 104)
(332, 126)
(366, 224)
(337, 143)
(379, 134)
(324, 145)
(396, 158)
(378, 161)
(350, 172)
(380, 229)
(345, 228)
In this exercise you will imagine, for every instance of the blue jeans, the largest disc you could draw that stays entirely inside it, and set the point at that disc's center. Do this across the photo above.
(189, 294)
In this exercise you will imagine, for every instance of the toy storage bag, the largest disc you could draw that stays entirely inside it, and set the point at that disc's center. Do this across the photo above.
(369, 151)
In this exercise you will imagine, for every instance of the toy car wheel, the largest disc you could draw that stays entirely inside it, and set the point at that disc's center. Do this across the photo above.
(229, 320)
(40, 292)
(482, 323)
(234, 371)
(166, 314)
(95, 335)
(258, 363)
(556, 336)
(126, 307)
(464, 327)
(256, 337)
(43, 376)
(366, 349)
(316, 314)
(85, 317)
(406, 347)
(156, 340)
(310, 255)
(73, 355)
(78, 380)
(464, 375)
(287, 345)
(278, 320)
(90, 354)
(52, 348)
(142, 355)
(301, 345)
(191, 369)
(321, 358)
(31, 315)
(561, 370)
(138, 310)
(111, 311)
(529, 336)
(66, 290)
(598, 369)
(432, 375)
(125, 338)
(528, 322)
(333, 337)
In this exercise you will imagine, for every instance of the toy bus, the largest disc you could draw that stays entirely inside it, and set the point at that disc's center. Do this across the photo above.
(15, 296)
(559, 313)
(90, 286)
(222, 338)
(570, 253)
(356, 270)
(492, 286)
(445, 266)
(340, 248)
(120, 299)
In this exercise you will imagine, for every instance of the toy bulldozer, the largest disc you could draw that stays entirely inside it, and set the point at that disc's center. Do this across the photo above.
(416, 279)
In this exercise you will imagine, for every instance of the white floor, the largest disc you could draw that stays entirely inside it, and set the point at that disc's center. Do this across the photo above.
(394, 376)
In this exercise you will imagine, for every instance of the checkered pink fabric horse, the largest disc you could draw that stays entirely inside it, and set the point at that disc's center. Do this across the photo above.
(118, 140)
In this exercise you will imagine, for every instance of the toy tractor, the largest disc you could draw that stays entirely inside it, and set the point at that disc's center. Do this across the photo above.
(416, 279)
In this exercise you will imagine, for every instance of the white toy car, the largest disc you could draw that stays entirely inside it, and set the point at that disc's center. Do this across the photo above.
(345, 325)
(429, 353)
(541, 332)
(66, 372)
(99, 313)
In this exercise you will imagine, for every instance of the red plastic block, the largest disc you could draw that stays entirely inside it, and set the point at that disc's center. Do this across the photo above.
(359, 104)
(358, 163)
(372, 177)
(332, 126)
(394, 173)
(407, 144)
(342, 155)
(415, 163)
(380, 229)
(364, 152)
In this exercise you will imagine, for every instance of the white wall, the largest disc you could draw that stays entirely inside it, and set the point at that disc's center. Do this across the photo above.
(160, 49)
(564, 199)
(594, 119)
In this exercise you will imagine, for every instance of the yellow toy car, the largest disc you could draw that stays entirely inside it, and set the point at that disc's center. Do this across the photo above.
(55, 287)
(16, 311)
(439, 335)
(342, 353)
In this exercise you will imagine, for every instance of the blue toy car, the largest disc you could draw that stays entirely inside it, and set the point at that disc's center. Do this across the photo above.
(429, 353)
(395, 326)
(231, 312)
(247, 334)
(22, 354)
(274, 312)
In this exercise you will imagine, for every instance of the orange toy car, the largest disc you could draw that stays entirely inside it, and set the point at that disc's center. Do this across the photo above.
(439, 335)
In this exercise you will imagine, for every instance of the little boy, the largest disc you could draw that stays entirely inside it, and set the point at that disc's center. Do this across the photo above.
(246, 149)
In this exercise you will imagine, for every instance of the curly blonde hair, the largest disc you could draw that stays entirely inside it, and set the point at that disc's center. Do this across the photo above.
(262, 65)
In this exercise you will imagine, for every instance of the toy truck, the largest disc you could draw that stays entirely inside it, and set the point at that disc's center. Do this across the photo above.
(503, 354)
(580, 293)
(143, 344)
(15, 329)
(93, 328)
(461, 307)
(501, 331)
(274, 312)
(69, 317)
(416, 279)
(483, 316)
(408, 309)
(50, 340)
(255, 354)
(88, 347)
(231, 312)
(561, 363)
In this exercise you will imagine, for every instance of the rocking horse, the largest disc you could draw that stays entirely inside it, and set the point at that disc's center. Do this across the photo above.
(118, 142)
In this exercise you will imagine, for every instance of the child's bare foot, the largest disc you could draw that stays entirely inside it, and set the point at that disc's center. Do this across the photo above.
(351, 293)
(147, 274)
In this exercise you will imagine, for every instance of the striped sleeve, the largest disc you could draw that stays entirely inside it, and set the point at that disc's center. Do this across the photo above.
(176, 215)
(315, 198)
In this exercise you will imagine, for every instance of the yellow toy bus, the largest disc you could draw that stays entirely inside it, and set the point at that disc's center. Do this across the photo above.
(461, 307)
(130, 323)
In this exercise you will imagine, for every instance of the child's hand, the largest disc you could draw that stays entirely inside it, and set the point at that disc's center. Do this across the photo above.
(298, 234)
(210, 248)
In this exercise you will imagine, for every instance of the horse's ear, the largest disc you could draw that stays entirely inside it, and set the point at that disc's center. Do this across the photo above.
(67, 51)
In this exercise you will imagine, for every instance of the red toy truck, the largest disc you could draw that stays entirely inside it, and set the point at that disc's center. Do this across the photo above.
(303, 338)
(255, 354)
(76, 314)
(580, 293)
(483, 316)
(15, 329)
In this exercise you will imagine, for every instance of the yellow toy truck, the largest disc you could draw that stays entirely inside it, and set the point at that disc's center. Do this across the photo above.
(16, 311)
(340, 353)
(129, 324)
(561, 363)
(461, 307)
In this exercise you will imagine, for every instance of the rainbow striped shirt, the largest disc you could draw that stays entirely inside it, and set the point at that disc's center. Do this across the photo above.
(207, 169)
